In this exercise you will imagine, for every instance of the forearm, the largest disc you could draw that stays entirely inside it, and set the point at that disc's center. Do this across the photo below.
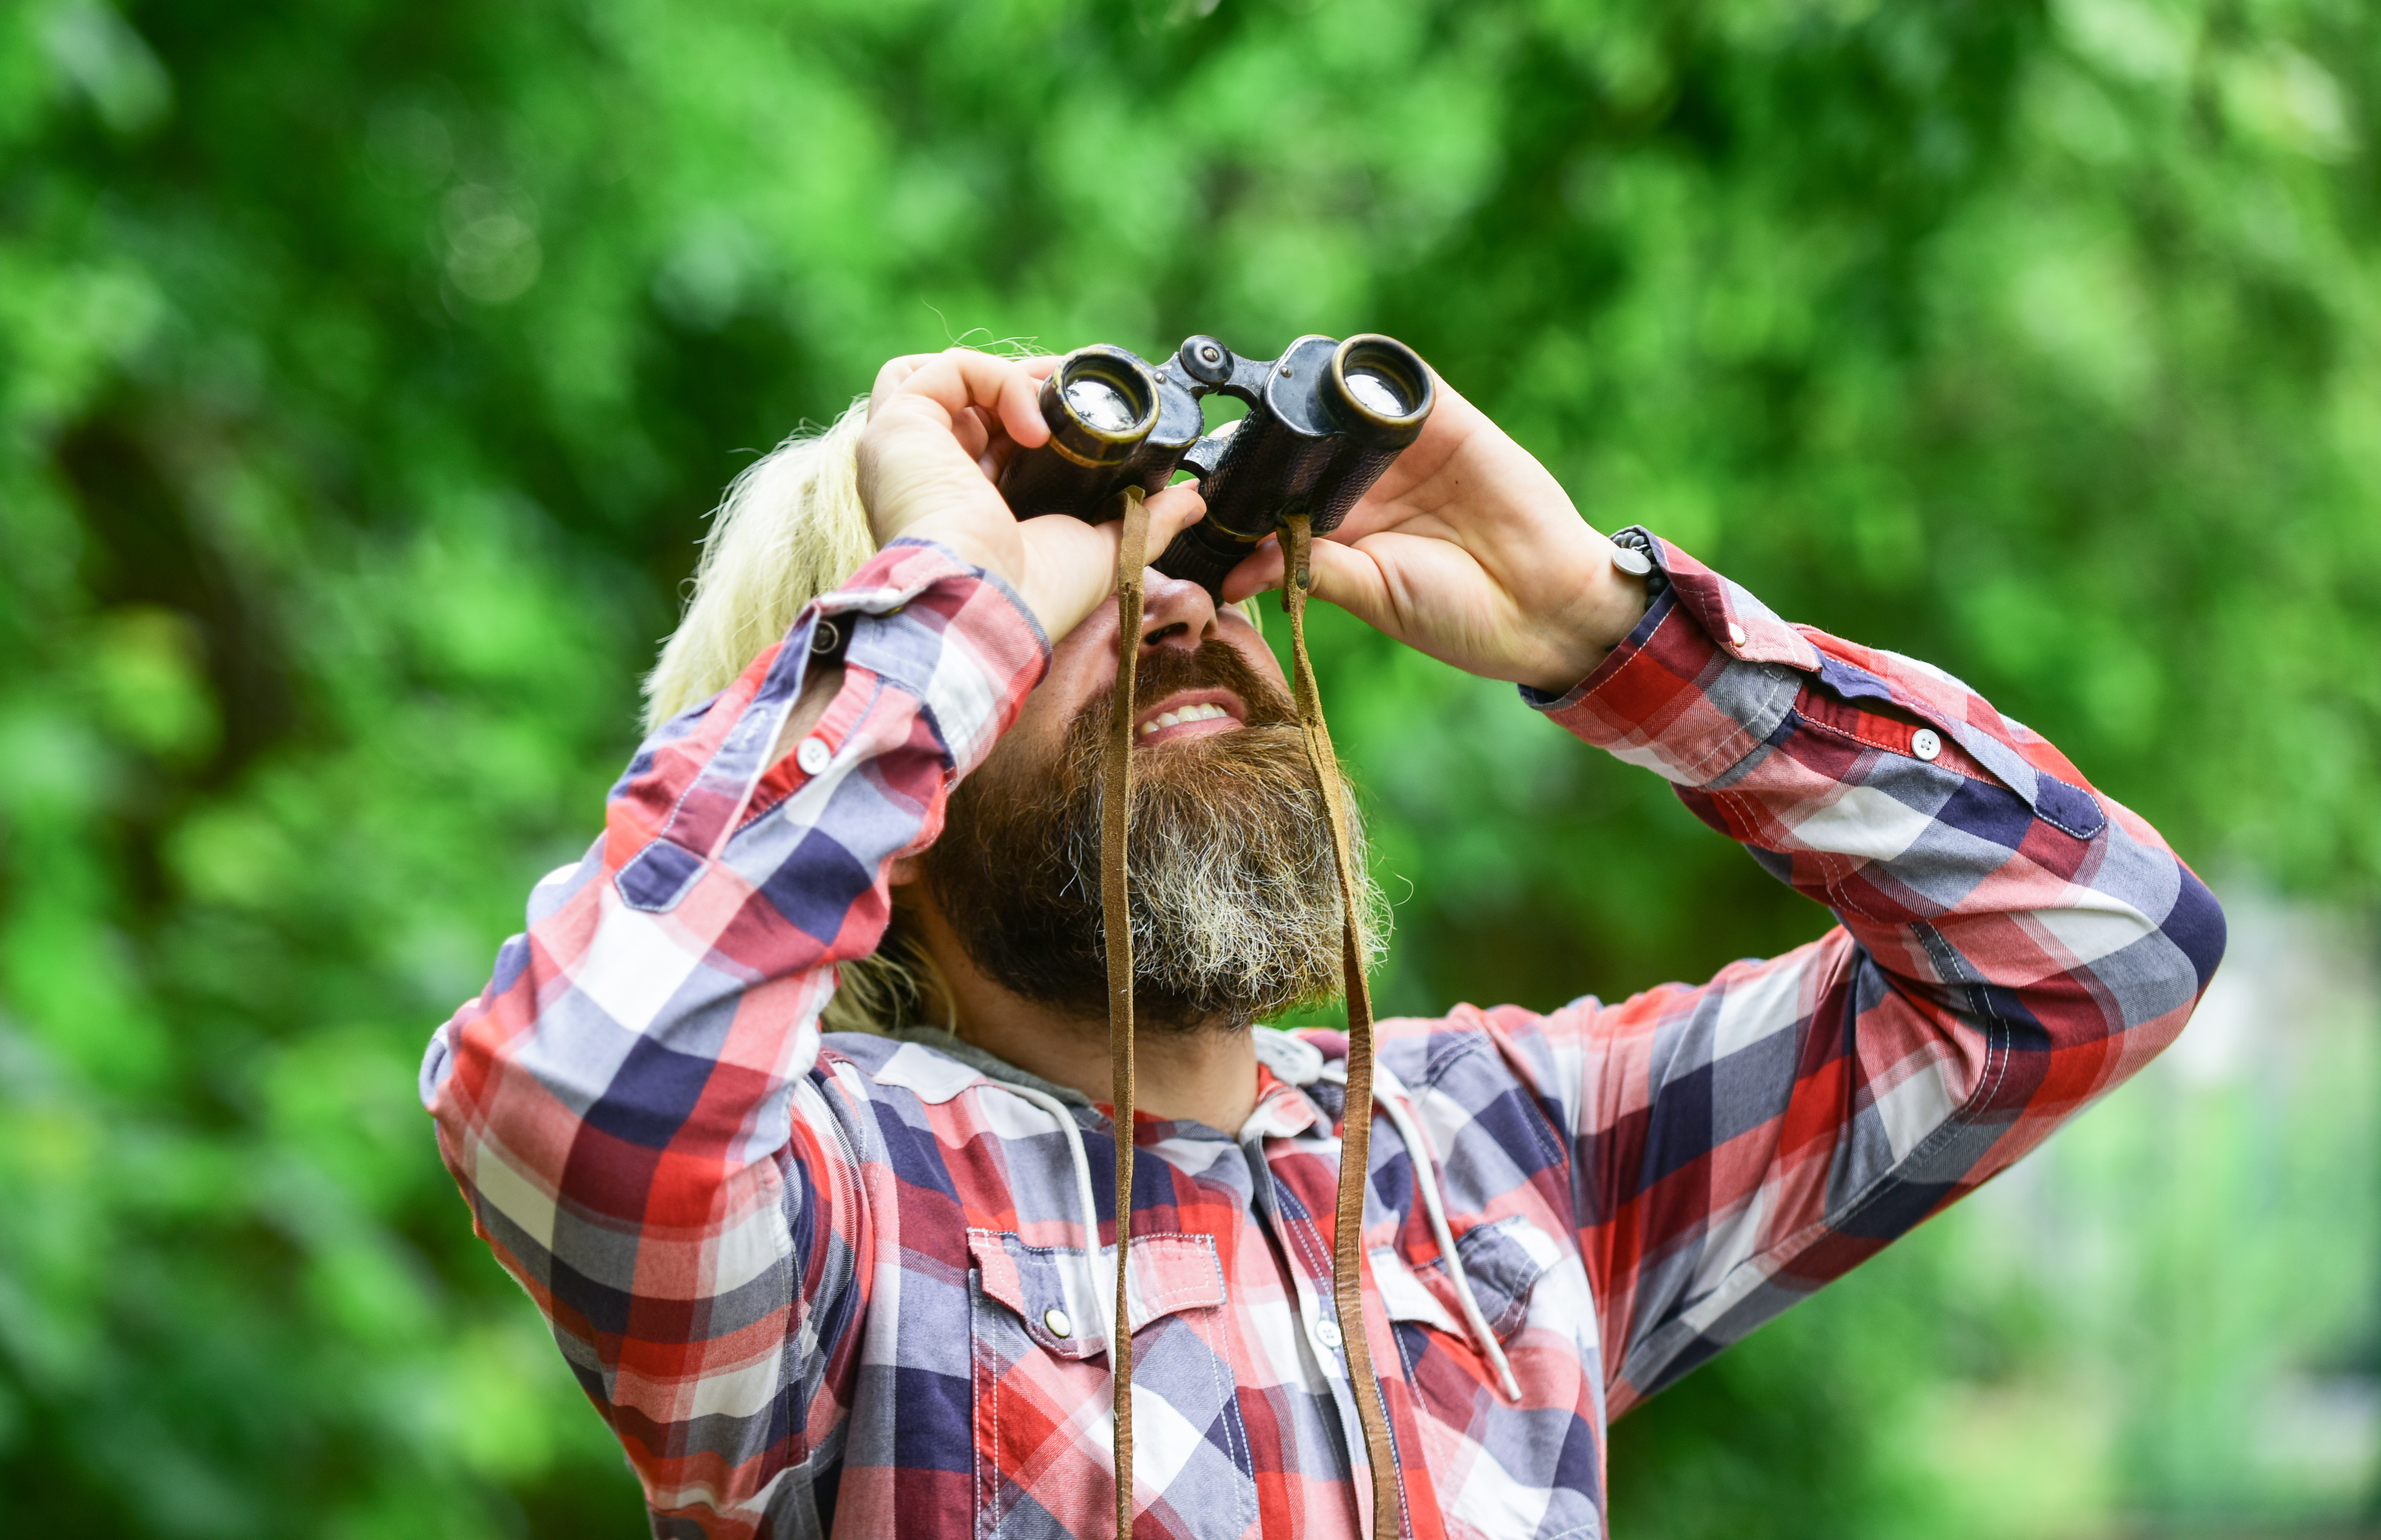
(615, 1105)
(1901, 799)
(2013, 944)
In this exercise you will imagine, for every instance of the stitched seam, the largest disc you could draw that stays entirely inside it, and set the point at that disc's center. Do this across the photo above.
(756, 809)
(1839, 886)
(1299, 1231)
(1989, 1084)
(987, 1464)
(1301, 1236)
(1541, 1128)
(1997, 1038)
(1744, 730)
(804, 1312)
(677, 894)
(679, 806)
(1157, 1304)
(1643, 648)
(1737, 730)
(1389, 1426)
(1517, 1301)
(1835, 868)
(1306, 1248)
(998, 1518)
(2052, 819)
(1224, 1397)
(1237, 1429)
(1899, 751)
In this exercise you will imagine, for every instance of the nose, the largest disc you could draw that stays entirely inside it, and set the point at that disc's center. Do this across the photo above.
(1174, 612)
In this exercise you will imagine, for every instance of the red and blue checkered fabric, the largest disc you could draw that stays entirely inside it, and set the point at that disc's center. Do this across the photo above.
(844, 1283)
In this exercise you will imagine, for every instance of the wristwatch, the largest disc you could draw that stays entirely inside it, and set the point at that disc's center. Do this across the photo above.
(1632, 551)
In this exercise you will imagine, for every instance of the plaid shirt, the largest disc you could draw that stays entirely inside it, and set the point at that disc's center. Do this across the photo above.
(844, 1283)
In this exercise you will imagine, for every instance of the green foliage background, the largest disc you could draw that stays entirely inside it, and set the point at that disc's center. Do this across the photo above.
(367, 369)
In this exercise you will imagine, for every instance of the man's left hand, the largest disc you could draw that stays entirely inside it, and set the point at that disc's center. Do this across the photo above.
(1468, 549)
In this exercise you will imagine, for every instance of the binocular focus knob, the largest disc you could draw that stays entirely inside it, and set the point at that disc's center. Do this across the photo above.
(1207, 360)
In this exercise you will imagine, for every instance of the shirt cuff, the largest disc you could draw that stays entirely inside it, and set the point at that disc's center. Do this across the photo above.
(1697, 687)
(953, 635)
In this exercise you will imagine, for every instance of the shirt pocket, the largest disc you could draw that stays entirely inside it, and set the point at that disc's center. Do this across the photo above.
(1043, 1429)
(1505, 1259)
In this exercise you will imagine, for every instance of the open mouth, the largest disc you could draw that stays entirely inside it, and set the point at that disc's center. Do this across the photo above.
(1189, 714)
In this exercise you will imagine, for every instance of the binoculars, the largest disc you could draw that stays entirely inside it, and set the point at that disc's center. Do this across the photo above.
(1324, 420)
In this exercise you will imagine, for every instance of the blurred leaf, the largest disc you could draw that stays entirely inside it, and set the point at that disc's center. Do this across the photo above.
(366, 372)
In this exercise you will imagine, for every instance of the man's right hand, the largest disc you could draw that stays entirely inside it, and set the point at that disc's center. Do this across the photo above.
(1468, 549)
(940, 426)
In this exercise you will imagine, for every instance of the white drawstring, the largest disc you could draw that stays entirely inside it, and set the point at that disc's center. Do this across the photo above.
(1083, 1198)
(1390, 1096)
(1387, 1097)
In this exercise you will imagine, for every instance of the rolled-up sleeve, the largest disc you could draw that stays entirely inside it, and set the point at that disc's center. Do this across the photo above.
(2011, 943)
(630, 1108)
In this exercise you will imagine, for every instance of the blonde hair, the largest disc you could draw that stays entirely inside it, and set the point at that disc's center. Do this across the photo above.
(790, 528)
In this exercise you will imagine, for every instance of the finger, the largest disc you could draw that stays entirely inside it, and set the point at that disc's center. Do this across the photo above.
(1259, 572)
(891, 377)
(1171, 512)
(961, 377)
(1343, 576)
(973, 430)
(1073, 568)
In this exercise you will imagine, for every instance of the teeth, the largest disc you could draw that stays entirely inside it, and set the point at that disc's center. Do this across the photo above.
(1205, 713)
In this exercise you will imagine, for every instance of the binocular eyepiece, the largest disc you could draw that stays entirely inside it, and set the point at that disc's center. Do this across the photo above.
(1324, 420)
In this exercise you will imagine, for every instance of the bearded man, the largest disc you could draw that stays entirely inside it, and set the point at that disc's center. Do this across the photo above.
(852, 1281)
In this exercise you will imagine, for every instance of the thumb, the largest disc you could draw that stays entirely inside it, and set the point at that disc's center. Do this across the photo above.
(1171, 512)
(1338, 574)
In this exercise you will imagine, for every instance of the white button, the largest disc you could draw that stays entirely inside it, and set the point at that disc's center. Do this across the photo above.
(1327, 1333)
(1736, 634)
(814, 755)
(1924, 744)
(1054, 1317)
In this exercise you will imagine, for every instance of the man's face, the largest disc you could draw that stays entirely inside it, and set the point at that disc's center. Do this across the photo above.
(1235, 904)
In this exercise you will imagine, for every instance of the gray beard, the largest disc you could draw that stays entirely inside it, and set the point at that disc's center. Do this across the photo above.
(1235, 902)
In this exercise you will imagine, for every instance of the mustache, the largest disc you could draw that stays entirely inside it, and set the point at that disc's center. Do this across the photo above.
(1162, 671)
(1235, 902)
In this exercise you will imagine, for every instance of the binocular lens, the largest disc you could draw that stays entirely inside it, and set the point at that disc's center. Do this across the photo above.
(1378, 392)
(1101, 404)
(1383, 391)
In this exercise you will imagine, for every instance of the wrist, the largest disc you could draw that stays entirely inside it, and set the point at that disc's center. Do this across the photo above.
(1626, 582)
(966, 541)
(1599, 613)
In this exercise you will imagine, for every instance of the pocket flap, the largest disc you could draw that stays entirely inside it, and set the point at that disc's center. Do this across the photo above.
(1504, 1260)
(1406, 1297)
(1052, 1286)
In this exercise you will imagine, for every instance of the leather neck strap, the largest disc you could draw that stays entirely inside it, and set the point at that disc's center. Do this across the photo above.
(1116, 921)
(1356, 1131)
(1347, 1223)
